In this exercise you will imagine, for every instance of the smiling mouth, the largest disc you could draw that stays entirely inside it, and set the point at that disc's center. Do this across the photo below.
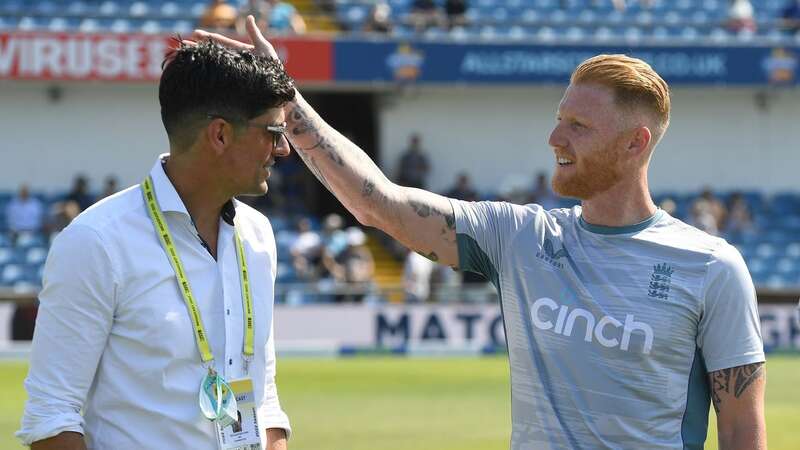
(563, 161)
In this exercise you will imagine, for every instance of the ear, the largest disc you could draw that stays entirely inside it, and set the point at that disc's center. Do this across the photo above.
(639, 142)
(219, 134)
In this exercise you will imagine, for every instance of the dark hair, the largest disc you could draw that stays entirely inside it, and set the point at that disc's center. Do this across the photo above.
(208, 78)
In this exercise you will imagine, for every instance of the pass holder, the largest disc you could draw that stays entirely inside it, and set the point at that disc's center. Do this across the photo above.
(244, 433)
(216, 399)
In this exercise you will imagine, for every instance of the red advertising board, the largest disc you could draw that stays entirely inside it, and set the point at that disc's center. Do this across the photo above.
(129, 57)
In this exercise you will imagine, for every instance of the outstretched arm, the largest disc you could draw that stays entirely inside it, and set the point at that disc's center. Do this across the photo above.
(738, 397)
(420, 220)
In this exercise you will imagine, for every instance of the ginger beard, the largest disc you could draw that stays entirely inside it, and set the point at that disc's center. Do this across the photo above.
(592, 172)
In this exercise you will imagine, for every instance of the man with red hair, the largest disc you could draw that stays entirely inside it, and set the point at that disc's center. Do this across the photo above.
(621, 321)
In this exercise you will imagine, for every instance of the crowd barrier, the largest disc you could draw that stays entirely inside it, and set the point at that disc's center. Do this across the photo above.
(461, 322)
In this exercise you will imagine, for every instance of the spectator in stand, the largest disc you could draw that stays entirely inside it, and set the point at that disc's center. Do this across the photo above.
(272, 16)
(219, 15)
(379, 20)
(24, 213)
(702, 218)
(110, 186)
(463, 189)
(414, 165)
(669, 206)
(456, 13)
(543, 194)
(709, 203)
(62, 213)
(739, 217)
(306, 251)
(425, 14)
(417, 271)
(790, 16)
(352, 268)
(740, 17)
(80, 193)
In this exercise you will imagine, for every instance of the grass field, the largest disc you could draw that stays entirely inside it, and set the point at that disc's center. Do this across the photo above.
(403, 404)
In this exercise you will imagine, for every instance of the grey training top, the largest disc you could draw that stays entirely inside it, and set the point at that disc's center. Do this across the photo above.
(611, 331)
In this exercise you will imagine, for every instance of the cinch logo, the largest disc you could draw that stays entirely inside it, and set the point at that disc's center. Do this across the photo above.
(551, 256)
(593, 329)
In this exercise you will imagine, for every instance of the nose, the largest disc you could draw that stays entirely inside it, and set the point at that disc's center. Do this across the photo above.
(283, 149)
(556, 139)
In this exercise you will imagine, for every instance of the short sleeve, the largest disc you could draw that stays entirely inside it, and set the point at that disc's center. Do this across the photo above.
(483, 232)
(729, 333)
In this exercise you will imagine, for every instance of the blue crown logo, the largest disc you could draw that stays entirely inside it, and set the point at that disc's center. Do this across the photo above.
(663, 269)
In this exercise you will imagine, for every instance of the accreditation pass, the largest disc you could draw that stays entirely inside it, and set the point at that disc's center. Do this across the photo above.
(244, 433)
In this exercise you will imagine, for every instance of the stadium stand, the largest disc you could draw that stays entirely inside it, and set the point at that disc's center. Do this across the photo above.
(770, 247)
(515, 20)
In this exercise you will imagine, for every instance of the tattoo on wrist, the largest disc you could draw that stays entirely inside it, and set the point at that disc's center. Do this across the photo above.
(734, 380)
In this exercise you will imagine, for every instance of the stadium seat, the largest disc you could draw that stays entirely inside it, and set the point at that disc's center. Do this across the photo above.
(169, 9)
(108, 8)
(150, 27)
(121, 26)
(76, 8)
(11, 273)
(36, 255)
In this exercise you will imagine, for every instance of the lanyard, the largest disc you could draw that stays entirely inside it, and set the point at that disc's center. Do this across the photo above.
(160, 224)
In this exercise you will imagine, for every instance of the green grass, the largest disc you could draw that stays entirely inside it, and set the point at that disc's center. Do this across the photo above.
(400, 404)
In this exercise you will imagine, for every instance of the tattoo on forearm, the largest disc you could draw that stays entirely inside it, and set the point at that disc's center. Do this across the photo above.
(304, 123)
(368, 188)
(424, 210)
(734, 380)
(421, 209)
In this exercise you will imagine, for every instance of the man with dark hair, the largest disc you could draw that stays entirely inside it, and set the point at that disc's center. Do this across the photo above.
(147, 296)
(622, 322)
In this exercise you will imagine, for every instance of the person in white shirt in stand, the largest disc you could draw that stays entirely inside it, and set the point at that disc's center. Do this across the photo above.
(114, 338)
(23, 212)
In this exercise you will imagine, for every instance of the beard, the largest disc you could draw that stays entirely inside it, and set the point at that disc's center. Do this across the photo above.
(594, 173)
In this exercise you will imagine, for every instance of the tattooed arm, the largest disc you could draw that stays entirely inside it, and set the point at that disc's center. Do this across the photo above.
(421, 220)
(738, 397)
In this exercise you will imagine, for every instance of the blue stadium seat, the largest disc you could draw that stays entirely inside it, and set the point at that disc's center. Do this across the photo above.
(139, 9)
(10, 274)
(108, 8)
(151, 27)
(169, 9)
(27, 240)
(36, 256)
(530, 16)
(121, 25)
(77, 7)
(30, 23)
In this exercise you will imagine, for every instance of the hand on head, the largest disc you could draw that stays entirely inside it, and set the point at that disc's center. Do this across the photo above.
(259, 46)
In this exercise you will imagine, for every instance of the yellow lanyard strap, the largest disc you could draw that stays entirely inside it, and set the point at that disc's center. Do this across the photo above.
(160, 224)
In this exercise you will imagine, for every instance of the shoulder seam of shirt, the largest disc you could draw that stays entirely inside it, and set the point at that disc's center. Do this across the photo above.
(112, 263)
(533, 216)
(712, 256)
